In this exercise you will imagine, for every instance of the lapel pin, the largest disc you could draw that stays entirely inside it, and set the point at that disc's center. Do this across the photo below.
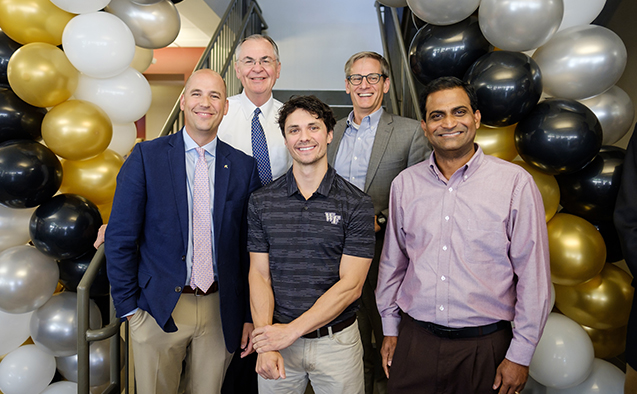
(225, 166)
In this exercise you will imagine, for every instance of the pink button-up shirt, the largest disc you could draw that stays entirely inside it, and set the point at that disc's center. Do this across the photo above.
(467, 252)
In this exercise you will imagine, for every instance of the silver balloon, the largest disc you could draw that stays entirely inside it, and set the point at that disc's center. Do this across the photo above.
(99, 364)
(520, 25)
(14, 226)
(443, 12)
(28, 279)
(394, 3)
(581, 62)
(154, 25)
(615, 111)
(54, 324)
(145, 2)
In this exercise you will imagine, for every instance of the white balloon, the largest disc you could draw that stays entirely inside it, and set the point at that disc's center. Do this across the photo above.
(98, 44)
(519, 25)
(605, 379)
(564, 356)
(615, 111)
(394, 3)
(26, 370)
(125, 97)
(578, 12)
(533, 387)
(61, 388)
(14, 226)
(142, 59)
(81, 6)
(124, 136)
(443, 12)
(99, 364)
(14, 330)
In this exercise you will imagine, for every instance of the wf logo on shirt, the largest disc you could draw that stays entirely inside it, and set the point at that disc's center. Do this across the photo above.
(332, 217)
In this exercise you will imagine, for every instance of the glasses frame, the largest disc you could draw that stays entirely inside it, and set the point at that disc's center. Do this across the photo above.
(250, 62)
(366, 77)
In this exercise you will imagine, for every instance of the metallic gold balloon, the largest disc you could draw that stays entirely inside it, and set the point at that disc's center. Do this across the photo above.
(549, 189)
(608, 343)
(497, 141)
(603, 303)
(59, 288)
(77, 130)
(577, 250)
(41, 75)
(28, 21)
(94, 178)
(105, 211)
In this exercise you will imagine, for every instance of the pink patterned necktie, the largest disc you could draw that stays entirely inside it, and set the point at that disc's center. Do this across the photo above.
(202, 272)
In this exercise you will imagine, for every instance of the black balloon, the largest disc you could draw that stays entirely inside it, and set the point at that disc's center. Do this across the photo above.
(65, 227)
(19, 120)
(29, 173)
(591, 192)
(559, 136)
(7, 48)
(72, 271)
(438, 51)
(611, 240)
(508, 85)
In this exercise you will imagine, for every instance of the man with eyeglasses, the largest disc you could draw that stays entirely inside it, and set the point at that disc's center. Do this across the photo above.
(370, 147)
(250, 125)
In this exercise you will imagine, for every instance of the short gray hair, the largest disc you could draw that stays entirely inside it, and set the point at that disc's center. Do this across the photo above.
(258, 37)
(384, 66)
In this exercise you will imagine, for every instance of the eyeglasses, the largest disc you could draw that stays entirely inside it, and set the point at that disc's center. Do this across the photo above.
(264, 61)
(372, 79)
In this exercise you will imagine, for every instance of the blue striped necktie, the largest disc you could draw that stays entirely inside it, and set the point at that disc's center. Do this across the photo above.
(260, 149)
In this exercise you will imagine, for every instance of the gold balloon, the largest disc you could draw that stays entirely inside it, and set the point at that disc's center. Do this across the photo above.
(577, 250)
(549, 189)
(497, 141)
(105, 211)
(59, 288)
(41, 75)
(94, 178)
(77, 130)
(608, 343)
(27, 21)
(603, 302)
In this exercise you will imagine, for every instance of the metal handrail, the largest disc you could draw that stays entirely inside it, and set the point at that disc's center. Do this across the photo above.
(87, 335)
(219, 52)
(398, 103)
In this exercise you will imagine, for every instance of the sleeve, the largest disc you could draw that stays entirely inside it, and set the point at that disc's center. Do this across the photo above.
(123, 232)
(529, 255)
(625, 216)
(419, 149)
(359, 236)
(393, 264)
(257, 241)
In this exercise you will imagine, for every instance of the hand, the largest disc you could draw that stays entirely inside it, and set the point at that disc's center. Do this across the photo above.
(387, 352)
(270, 365)
(100, 236)
(376, 225)
(510, 377)
(274, 337)
(246, 339)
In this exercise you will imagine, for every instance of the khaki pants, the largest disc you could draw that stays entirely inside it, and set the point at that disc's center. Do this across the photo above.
(198, 340)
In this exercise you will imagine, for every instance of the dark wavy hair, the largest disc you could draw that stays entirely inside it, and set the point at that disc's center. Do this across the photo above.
(445, 83)
(310, 104)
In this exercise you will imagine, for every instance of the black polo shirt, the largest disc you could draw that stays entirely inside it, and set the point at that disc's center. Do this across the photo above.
(305, 239)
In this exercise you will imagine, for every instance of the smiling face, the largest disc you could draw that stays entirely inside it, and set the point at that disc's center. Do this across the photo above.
(257, 79)
(366, 98)
(449, 123)
(204, 104)
(306, 137)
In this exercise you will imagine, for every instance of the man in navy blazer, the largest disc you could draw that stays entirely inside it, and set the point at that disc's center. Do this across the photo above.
(149, 249)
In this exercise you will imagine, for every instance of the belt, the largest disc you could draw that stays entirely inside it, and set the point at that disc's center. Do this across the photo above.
(198, 292)
(324, 331)
(465, 332)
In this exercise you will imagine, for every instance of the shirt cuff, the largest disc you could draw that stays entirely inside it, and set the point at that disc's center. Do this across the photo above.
(390, 326)
(520, 353)
(131, 313)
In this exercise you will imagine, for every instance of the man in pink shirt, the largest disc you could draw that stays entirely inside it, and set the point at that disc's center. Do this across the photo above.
(465, 254)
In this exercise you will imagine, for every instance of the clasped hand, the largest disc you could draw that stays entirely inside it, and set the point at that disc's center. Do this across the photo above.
(273, 337)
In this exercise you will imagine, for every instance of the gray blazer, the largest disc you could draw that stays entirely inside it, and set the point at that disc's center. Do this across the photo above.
(399, 143)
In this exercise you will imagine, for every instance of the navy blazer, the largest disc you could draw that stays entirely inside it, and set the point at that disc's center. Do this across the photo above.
(147, 234)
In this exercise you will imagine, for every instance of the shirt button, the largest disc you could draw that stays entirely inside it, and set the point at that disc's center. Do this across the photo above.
(178, 289)
(465, 177)
(442, 308)
(305, 208)
(355, 157)
(447, 218)
(444, 247)
(183, 258)
(451, 189)
(443, 278)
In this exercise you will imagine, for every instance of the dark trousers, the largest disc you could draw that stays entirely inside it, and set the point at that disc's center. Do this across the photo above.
(424, 363)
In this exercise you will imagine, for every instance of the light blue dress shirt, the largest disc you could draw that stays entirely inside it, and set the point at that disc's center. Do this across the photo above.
(355, 149)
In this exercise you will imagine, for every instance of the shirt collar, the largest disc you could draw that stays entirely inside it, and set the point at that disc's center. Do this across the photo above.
(323, 189)
(466, 170)
(374, 118)
(248, 106)
(190, 144)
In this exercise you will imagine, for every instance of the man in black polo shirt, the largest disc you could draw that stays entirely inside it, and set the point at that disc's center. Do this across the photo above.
(311, 241)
